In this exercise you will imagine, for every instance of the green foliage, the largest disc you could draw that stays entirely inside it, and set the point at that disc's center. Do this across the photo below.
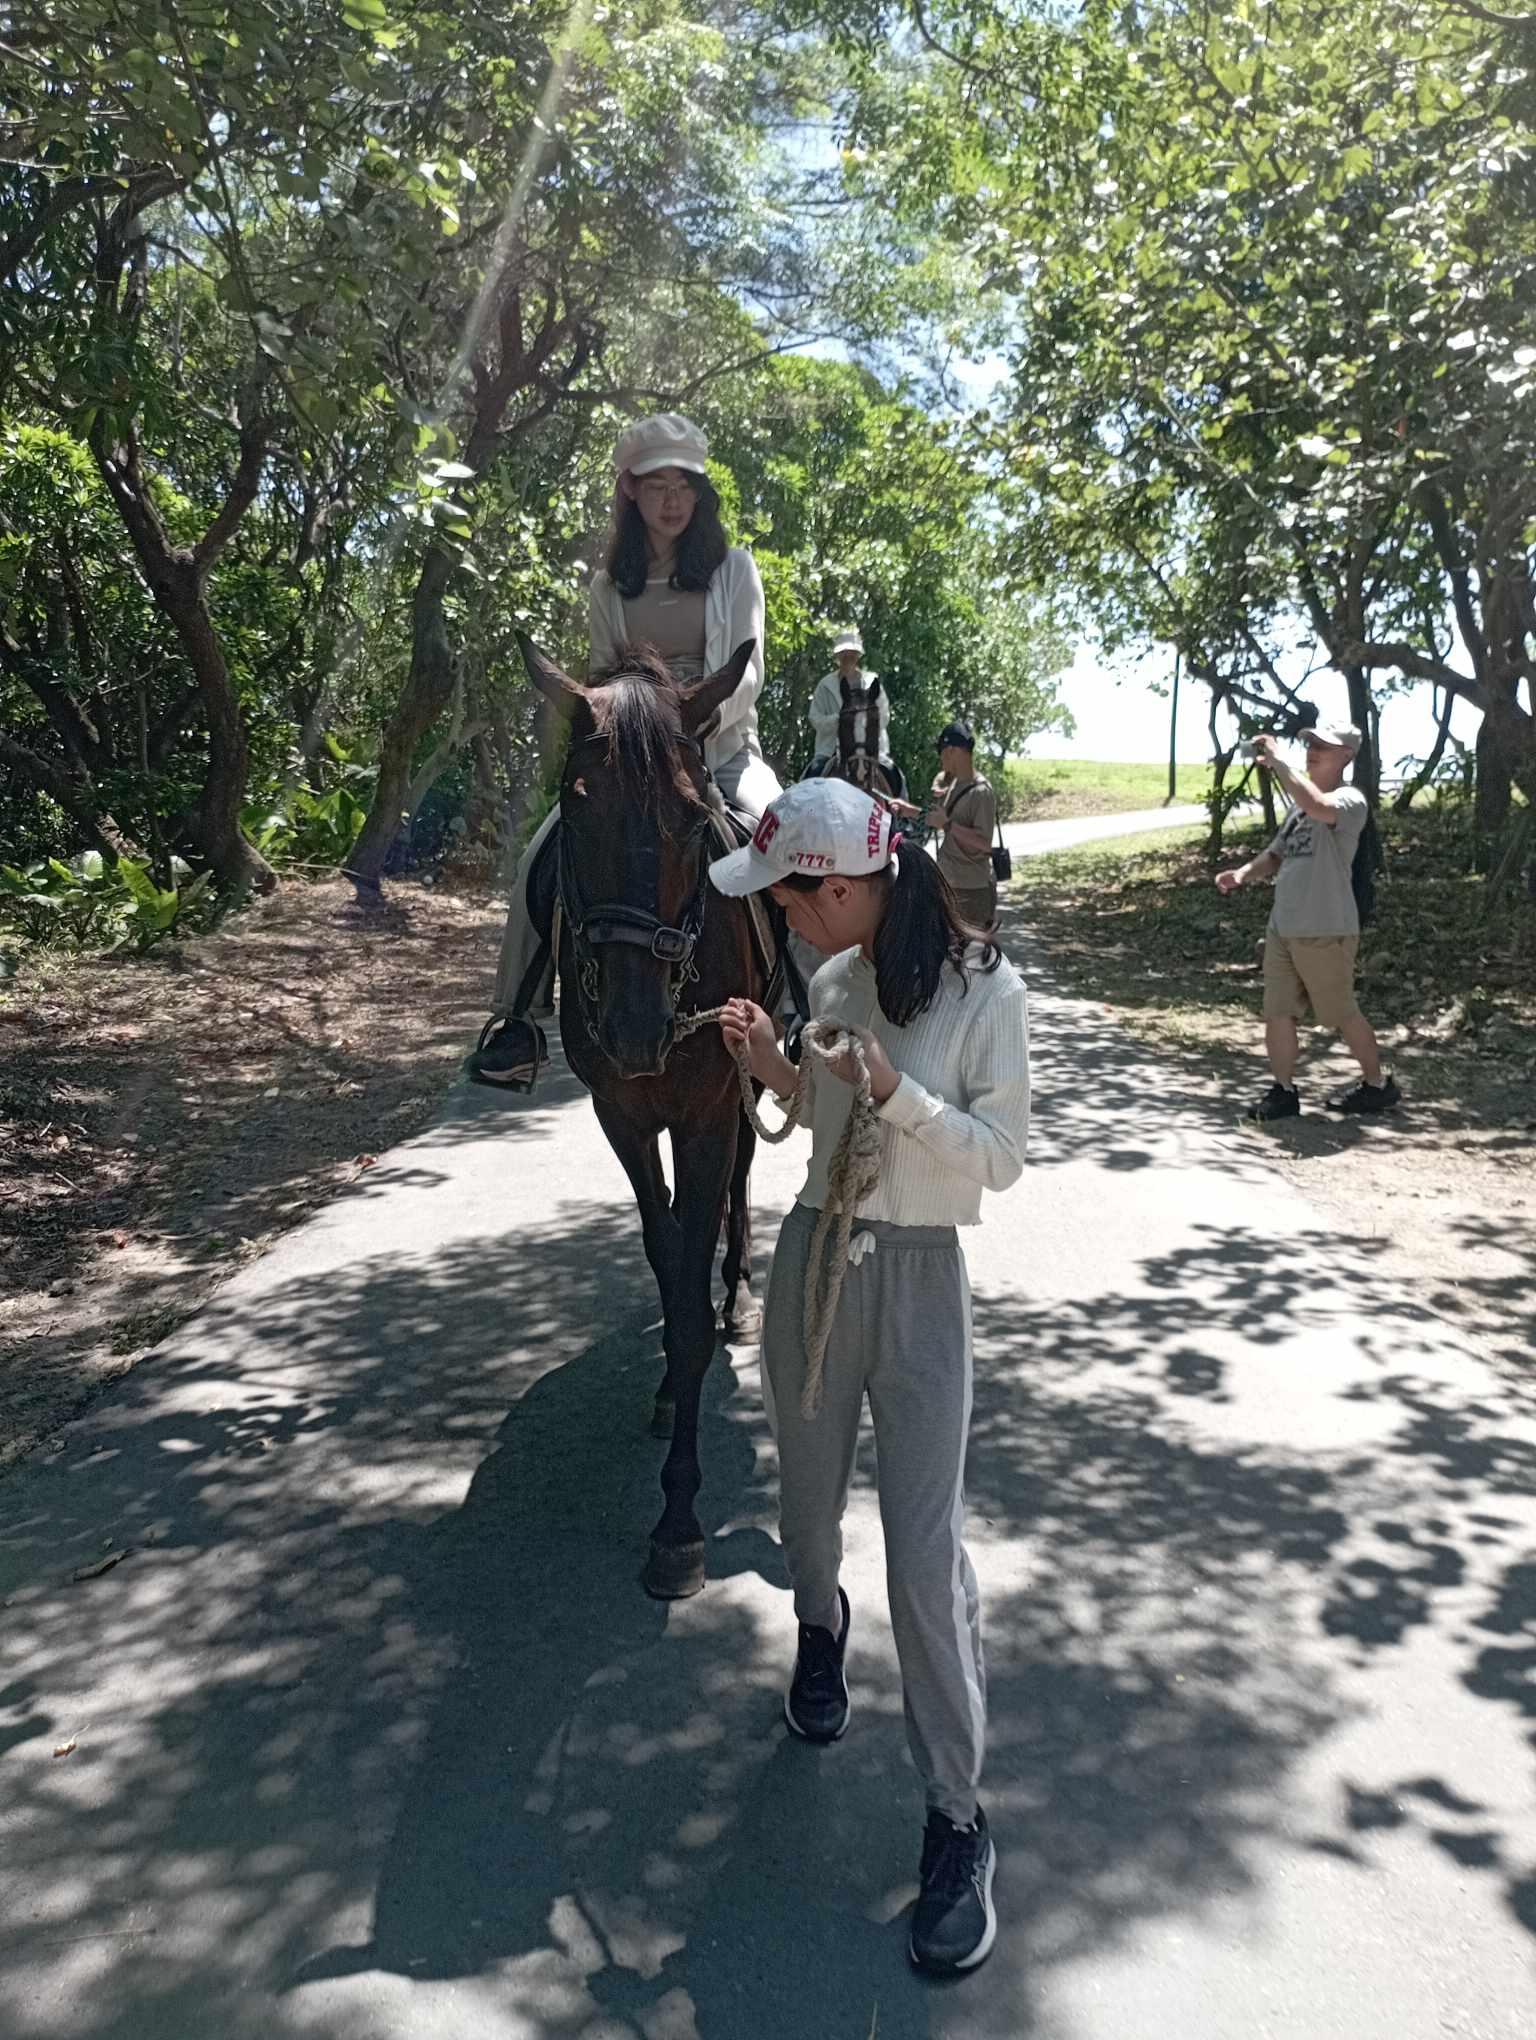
(1262, 278)
(860, 508)
(90, 904)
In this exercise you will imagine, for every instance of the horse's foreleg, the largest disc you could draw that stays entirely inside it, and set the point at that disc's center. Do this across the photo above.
(640, 1155)
(741, 1317)
(703, 1166)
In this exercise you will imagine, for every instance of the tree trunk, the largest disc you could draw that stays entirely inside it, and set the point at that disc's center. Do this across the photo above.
(1267, 798)
(428, 690)
(1431, 765)
(1362, 715)
(1493, 792)
(177, 579)
(214, 823)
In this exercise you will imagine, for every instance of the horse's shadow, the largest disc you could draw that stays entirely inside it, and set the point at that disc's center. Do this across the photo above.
(582, 1728)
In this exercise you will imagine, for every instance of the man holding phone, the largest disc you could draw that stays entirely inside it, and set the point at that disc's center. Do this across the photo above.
(1313, 936)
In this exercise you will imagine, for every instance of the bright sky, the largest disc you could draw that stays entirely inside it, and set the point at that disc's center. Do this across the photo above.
(1119, 717)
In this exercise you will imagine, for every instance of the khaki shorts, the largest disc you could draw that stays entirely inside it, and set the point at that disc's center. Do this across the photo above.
(1315, 970)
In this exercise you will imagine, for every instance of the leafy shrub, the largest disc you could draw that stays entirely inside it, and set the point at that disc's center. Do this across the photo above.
(90, 904)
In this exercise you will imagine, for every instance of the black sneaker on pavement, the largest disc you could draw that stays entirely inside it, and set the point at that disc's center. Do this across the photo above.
(1278, 1102)
(955, 1923)
(1364, 1097)
(508, 1056)
(816, 1705)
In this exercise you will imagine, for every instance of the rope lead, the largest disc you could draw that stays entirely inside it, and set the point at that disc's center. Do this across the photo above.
(852, 1174)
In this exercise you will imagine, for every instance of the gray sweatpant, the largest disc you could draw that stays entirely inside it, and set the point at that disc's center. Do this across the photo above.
(902, 1336)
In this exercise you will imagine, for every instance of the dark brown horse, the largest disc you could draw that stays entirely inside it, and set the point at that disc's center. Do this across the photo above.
(644, 940)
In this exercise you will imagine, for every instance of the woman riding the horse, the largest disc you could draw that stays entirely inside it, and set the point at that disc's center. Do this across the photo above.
(672, 582)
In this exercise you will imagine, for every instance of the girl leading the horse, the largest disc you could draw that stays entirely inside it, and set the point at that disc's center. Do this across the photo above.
(674, 583)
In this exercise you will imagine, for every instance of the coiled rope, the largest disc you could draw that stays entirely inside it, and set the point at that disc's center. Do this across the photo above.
(852, 1173)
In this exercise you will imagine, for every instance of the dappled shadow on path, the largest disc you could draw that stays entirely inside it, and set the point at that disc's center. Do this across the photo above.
(389, 1712)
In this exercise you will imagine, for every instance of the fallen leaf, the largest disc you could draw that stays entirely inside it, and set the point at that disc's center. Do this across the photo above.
(63, 1749)
(98, 1566)
(366, 1161)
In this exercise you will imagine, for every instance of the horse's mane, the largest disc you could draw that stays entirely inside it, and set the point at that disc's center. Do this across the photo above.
(638, 708)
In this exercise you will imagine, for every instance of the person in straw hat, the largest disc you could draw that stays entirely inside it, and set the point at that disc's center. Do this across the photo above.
(942, 1020)
(672, 581)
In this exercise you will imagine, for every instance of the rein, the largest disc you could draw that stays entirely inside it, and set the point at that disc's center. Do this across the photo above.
(852, 1174)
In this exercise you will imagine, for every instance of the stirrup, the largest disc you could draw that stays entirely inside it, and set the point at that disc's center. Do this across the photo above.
(508, 1083)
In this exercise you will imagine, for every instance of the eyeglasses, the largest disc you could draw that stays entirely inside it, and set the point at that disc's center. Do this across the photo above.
(666, 492)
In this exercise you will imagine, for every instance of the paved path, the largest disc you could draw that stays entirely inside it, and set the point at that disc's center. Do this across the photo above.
(376, 1737)
(1030, 839)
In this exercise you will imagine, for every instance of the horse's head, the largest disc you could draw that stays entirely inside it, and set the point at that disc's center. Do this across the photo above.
(858, 732)
(634, 842)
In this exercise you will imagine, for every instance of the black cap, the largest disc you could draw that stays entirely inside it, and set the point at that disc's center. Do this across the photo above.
(957, 733)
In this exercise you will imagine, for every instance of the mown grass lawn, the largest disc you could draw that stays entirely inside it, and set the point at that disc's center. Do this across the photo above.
(1045, 789)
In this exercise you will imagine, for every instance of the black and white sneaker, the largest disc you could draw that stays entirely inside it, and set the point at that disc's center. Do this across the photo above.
(1364, 1097)
(509, 1055)
(816, 1705)
(955, 1923)
(1278, 1102)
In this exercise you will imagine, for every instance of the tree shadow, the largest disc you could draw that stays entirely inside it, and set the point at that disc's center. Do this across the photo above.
(375, 1718)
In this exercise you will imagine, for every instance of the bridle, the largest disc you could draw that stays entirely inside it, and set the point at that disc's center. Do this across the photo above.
(603, 923)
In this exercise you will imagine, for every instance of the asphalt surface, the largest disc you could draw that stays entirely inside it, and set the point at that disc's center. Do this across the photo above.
(373, 1735)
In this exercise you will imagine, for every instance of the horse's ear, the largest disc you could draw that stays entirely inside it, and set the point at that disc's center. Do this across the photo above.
(702, 699)
(874, 689)
(547, 676)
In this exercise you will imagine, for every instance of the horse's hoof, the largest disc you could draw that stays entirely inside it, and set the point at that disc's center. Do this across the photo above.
(736, 1328)
(663, 1416)
(674, 1572)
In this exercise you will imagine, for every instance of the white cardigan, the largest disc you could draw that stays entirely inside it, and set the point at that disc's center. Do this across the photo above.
(958, 1121)
(733, 612)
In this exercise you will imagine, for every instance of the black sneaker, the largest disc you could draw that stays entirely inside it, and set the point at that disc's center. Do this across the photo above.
(816, 1705)
(1364, 1097)
(509, 1055)
(1277, 1103)
(955, 1923)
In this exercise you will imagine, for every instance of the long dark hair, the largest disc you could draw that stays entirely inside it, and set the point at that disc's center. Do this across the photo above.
(700, 549)
(920, 932)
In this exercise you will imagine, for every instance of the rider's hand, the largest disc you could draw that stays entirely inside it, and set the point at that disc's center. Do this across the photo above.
(745, 1021)
(1264, 751)
(1229, 881)
(905, 808)
(883, 1077)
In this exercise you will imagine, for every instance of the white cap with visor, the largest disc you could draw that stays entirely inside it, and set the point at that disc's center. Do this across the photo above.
(817, 828)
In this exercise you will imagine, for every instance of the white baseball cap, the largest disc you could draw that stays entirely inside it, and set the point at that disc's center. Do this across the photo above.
(847, 641)
(817, 828)
(667, 440)
(1338, 736)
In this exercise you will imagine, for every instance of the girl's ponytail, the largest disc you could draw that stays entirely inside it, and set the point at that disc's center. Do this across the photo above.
(920, 932)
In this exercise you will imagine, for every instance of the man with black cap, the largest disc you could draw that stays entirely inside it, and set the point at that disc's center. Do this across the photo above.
(1314, 927)
(964, 814)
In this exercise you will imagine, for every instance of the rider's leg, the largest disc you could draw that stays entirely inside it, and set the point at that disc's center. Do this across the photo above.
(511, 1047)
(521, 941)
(748, 781)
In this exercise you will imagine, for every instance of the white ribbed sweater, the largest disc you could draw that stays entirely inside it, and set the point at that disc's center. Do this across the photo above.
(958, 1121)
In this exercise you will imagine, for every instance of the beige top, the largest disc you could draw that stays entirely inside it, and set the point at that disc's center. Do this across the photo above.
(733, 614)
(958, 1121)
(974, 806)
(672, 620)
